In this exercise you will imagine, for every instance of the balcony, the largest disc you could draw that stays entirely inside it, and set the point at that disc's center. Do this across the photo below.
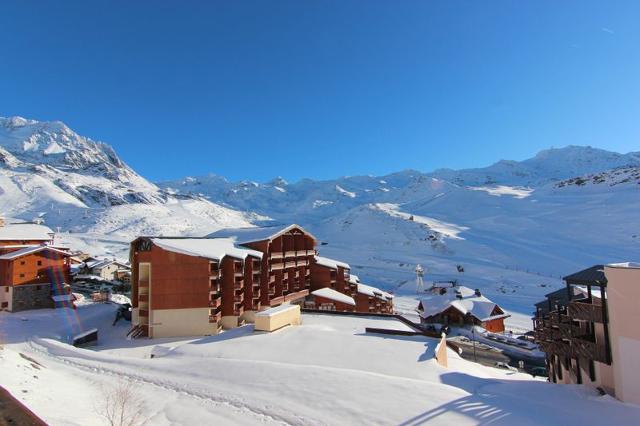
(143, 312)
(238, 298)
(276, 255)
(143, 298)
(214, 275)
(238, 284)
(143, 284)
(215, 303)
(256, 272)
(290, 264)
(238, 309)
(290, 253)
(585, 311)
(276, 266)
(255, 305)
(302, 262)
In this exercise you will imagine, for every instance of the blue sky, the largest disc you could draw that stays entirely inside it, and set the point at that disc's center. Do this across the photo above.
(255, 89)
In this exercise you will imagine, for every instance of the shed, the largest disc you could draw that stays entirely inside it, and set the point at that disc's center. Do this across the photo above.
(278, 317)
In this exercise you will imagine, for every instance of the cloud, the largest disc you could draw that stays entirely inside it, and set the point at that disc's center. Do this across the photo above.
(607, 30)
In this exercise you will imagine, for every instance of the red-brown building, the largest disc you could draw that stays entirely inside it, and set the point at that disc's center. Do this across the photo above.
(191, 286)
(336, 275)
(285, 273)
(33, 277)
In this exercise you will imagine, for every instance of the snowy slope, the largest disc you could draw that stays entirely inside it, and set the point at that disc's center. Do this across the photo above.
(81, 186)
(327, 371)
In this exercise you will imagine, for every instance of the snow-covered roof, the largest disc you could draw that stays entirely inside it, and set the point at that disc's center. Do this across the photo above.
(258, 233)
(102, 263)
(595, 291)
(374, 292)
(63, 297)
(354, 279)
(633, 265)
(210, 248)
(25, 232)
(29, 250)
(331, 263)
(331, 294)
(478, 306)
(276, 310)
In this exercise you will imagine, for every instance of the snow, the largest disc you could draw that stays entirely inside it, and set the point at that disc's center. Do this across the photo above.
(25, 231)
(277, 310)
(331, 263)
(252, 234)
(30, 250)
(632, 265)
(344, 192)
(210, 248)
(374, 292)
(449, 229)
(478, 306)
(240, 377)
(500, 190)
(331, 294)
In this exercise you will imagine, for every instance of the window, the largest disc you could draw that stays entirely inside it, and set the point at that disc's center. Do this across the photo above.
(5, 305)
(6, 289)
(21, 275)
(39, 262)
(22, 262)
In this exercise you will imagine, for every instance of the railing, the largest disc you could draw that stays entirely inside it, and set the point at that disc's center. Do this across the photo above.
(143, 284)
(237, 285)
(215, 317)
(238, 297)
(143, 298)
(585, 311)
(215, 303)
(143, 313)
(214, 275)
(290, 264)
(290, 253)
(276, 255)
(276, 266)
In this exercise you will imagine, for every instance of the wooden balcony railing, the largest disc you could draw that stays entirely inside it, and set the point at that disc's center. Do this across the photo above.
(276, 255)
(215, 317)
(585, 311)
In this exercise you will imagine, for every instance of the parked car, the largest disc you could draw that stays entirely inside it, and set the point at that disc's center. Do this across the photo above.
(505, 366)
(538, 371)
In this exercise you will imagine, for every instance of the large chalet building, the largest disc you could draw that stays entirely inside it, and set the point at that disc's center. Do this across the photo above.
(33, 273)
(589, 331)
(198, 286)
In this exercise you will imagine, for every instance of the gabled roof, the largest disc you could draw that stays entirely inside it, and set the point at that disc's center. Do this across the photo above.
(102, 263)
(25, 232)
(210, 248)
(374, 292)
(479, 306)
(331, 294)
(29, 250)
(331, 263)
(255, 234)
(593, 276)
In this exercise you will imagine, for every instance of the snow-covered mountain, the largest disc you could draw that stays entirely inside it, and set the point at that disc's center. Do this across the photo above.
(547, 166)
(516, 227)
(49, 172)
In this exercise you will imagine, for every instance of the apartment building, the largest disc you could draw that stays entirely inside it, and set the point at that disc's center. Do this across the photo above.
(591, 334)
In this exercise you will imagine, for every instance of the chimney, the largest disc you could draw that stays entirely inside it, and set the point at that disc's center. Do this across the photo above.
(478, 292)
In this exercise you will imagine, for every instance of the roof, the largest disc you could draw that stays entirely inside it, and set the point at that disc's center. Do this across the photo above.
(257, 233)
(331, 263)
(331, 294)
(276, 310)
(354, 279)
(29, 250)
(478, 306)
(102, 263)
(210, 248)
(631, 265)
(25, 232)
(374, 292)
(593, 276)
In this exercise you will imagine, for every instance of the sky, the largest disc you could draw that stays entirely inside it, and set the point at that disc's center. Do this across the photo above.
(322, 89)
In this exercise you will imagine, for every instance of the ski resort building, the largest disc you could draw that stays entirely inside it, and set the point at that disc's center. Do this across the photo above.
(285, 267)
(460, 305)
(335, 275)
(590, 334)
(106, 269)
(33, 274)
(191, 286)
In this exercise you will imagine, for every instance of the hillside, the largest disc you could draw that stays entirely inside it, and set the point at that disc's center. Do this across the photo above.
(49, 172)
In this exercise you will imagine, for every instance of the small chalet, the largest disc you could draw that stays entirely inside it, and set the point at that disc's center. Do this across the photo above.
(459, 305)
(106, 269)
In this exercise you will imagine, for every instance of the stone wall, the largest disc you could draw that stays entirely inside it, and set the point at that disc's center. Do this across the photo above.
(34, 296)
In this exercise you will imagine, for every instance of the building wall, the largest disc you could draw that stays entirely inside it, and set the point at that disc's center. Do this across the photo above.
(494, 326)
(322, 303)
(108, 272)
(31, 296)
(279, 320)
(6, 298)
(366, 303)
(181, 322)
(623, 293)
(36, 268)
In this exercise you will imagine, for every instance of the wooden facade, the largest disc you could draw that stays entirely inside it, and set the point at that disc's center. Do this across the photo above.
(574, 331)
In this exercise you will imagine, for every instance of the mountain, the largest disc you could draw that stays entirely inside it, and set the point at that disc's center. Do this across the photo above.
(49, 172)
(515, 227)
(547, 166)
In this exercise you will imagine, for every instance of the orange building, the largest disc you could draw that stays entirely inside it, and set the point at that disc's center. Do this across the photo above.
(33, 277)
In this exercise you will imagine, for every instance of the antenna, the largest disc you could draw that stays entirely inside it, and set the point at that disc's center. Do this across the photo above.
(419, 280)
